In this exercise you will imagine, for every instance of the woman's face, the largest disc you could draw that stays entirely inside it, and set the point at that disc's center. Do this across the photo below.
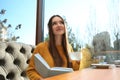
(58, 26)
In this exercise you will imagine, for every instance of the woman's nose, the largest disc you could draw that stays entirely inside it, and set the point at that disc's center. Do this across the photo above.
(59, 24)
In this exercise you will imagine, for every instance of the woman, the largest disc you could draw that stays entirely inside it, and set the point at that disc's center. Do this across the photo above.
(55, 50)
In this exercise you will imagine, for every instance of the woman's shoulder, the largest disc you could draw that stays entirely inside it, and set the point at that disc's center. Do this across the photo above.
(42, 44)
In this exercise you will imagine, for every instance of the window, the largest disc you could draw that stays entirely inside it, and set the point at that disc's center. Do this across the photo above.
(87, 17)
(97, 22)
(21, 12)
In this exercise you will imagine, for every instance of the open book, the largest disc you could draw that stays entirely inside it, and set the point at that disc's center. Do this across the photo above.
(44, 69)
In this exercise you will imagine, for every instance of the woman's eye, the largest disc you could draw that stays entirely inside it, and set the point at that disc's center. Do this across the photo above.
(61, 22)
(54, 23)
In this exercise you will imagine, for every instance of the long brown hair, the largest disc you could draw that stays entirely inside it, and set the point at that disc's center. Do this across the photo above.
(52, 47)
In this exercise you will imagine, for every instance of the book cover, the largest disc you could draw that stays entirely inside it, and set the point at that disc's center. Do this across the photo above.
(44, 69)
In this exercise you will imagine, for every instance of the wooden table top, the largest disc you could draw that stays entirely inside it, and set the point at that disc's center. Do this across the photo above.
(89, 74)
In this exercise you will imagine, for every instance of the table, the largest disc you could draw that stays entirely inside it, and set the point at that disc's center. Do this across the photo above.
(89, 74)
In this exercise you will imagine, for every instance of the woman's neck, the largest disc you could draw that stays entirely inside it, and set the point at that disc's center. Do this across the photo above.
(58, 40)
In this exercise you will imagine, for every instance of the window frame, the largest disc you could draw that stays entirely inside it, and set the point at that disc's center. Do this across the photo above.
(40, 21)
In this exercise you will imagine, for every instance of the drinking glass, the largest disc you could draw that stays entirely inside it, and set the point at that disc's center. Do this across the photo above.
(102, 59)
(75, 56)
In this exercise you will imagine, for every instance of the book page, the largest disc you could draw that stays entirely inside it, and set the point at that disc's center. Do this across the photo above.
(40, 58)
(44, 69)
(62, 69)
(41, 65)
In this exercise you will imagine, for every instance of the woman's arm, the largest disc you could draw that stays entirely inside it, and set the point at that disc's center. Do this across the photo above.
(31, 72)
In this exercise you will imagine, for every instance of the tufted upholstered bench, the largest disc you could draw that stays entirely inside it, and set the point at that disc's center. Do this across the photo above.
(14, 59)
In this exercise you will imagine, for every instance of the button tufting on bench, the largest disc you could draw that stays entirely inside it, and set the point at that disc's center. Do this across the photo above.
(10, 75)
(22, 50)
(2, 77)
(9, 49)
(14, 59)
(2, 62)
(17, 62)
(23, 74)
